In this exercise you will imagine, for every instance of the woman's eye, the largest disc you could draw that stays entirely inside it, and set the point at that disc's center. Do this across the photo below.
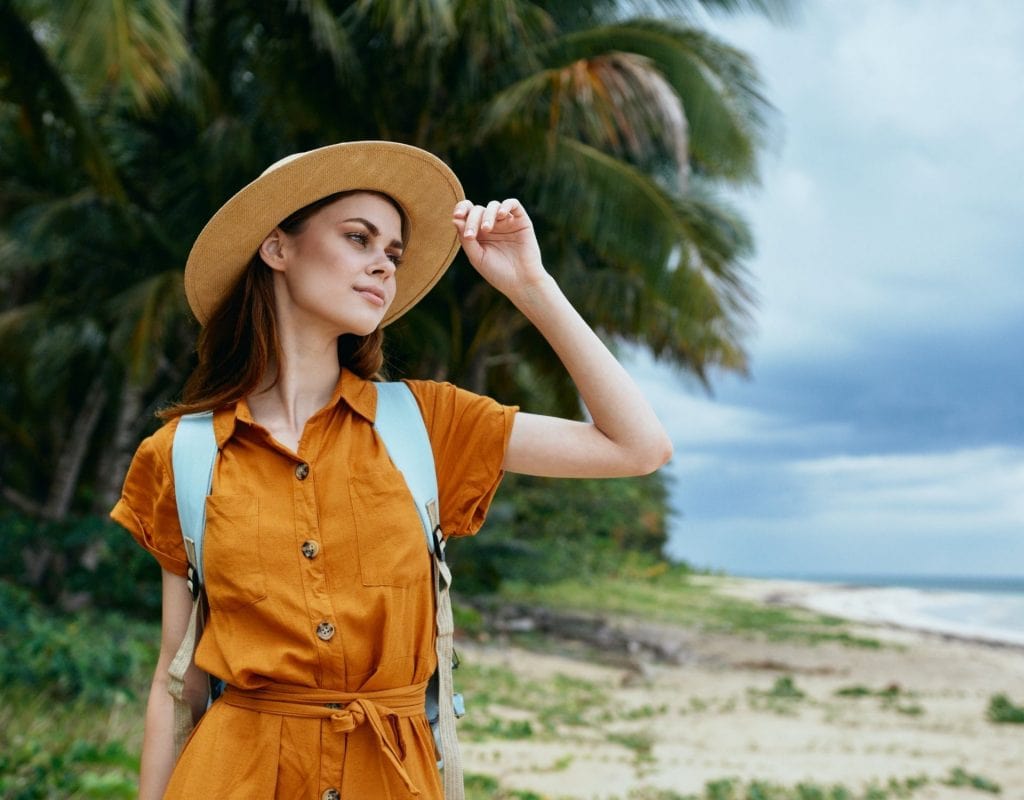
(359, 238)
(396, 260)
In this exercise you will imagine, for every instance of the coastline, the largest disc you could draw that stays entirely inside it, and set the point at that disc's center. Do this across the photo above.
(900, 607)
(907, 717)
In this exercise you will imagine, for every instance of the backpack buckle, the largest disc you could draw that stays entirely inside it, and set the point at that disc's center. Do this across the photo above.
(192, 582)
(438, 538)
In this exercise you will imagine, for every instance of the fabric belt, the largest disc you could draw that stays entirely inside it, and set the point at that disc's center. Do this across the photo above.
(345, 710)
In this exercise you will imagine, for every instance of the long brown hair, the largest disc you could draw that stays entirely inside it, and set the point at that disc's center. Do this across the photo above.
(240, 338)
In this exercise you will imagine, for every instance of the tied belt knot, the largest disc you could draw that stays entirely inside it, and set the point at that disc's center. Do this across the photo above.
(345, 710)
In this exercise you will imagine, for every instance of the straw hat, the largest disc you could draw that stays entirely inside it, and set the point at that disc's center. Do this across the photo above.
(423, 185)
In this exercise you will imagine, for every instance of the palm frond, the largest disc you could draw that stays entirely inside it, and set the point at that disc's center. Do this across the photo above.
(428, 21)
(143, 314)
(718, 85)
(329, 35)
(33, 83)
(673, 262)
(617, 102)
(137, 46)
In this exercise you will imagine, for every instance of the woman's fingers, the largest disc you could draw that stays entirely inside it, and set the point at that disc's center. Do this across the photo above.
(508, 208)
(476, 218)
(490, 213)
(473, 220)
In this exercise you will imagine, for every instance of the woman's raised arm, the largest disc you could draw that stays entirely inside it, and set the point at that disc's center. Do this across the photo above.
(624, 437)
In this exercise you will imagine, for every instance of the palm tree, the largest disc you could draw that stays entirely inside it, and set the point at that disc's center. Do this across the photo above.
(125, 124)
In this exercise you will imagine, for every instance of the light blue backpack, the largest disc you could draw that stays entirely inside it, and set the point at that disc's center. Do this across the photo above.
(400, 427)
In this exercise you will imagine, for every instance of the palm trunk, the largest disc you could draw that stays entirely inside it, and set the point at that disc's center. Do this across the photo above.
(116, 458)
(69, 465)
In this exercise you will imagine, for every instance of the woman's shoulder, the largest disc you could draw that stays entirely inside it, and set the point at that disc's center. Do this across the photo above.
(158, 445)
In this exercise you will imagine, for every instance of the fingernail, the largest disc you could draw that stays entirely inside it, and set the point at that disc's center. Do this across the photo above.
(470, 231)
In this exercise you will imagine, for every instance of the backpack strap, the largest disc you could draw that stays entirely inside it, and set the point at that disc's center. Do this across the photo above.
(399, 423)
(192, 456)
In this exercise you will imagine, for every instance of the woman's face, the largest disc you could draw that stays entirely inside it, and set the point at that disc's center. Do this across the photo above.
(338, 272)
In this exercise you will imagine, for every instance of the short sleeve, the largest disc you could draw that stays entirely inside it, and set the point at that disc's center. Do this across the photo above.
(469, 435)
(147, 508)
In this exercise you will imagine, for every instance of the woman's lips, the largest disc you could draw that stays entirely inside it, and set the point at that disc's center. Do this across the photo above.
(375, 296)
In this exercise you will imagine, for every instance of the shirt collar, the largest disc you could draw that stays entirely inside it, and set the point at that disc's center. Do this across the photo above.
(358, 393)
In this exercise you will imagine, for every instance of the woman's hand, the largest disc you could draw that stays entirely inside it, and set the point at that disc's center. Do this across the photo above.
(501, 244)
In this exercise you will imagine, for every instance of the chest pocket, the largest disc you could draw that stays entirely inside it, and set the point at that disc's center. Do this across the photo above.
(392, 547)
(232, 558)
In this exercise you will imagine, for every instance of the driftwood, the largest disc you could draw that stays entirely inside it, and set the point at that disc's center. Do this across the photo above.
(630, 643)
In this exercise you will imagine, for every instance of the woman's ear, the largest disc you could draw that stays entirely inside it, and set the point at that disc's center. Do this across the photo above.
(272, 250)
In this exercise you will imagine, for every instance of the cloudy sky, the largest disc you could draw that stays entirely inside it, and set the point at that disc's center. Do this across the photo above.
(882, 430)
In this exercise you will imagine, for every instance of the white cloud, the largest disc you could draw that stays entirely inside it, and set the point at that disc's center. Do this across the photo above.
(957, 512)
(892, 207)
(924, 494)
(930, 71)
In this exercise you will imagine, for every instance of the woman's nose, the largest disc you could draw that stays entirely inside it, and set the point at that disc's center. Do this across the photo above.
(382, 265)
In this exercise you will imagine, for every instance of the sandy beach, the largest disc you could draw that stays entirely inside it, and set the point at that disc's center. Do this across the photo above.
(909, 712)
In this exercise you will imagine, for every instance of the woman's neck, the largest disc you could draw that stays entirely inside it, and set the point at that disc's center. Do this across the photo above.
(295, 387)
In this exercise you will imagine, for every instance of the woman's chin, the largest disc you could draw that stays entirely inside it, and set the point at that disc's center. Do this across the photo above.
(363, 326)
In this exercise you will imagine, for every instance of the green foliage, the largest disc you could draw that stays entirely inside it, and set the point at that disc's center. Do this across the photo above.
(892, 697)
(485, 787)
(781, 698)
(549, 708)
(81, 561)
(641, 742)
(961, 777)
(92, 655)
(541, 530)
(31, 771)
(1001, 709)
(675, 595)
(784, 688)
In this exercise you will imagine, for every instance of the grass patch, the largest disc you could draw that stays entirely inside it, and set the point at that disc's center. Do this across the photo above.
(1001, 709)
(735, 789)
(893, 697)
(484, 787)
(961, 777)
(782, 698)
(552, 706)
(76, 749)
(641, 743)
(695, 601)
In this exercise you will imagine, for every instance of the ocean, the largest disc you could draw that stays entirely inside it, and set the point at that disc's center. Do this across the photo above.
(991, 607)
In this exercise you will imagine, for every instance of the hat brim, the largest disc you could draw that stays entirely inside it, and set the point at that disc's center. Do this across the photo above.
(423, 185)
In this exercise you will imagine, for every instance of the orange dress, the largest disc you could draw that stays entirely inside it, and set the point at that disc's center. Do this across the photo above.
(318, 576)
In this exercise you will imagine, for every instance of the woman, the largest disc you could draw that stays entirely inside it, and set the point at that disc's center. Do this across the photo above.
(316, 573)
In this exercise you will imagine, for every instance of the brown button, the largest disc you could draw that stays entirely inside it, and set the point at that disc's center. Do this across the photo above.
(301, 471)
(325, 631)
(310, 548)
(330, 794)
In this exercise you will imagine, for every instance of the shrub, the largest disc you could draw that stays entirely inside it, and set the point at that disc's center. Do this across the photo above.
(1000, 709)
(92, 655)
(541, 530)
(81, 562)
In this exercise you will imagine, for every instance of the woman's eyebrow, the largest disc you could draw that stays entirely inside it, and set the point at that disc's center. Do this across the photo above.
(375, 231)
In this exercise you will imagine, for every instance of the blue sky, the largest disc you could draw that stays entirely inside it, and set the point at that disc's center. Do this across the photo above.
(882, 429)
